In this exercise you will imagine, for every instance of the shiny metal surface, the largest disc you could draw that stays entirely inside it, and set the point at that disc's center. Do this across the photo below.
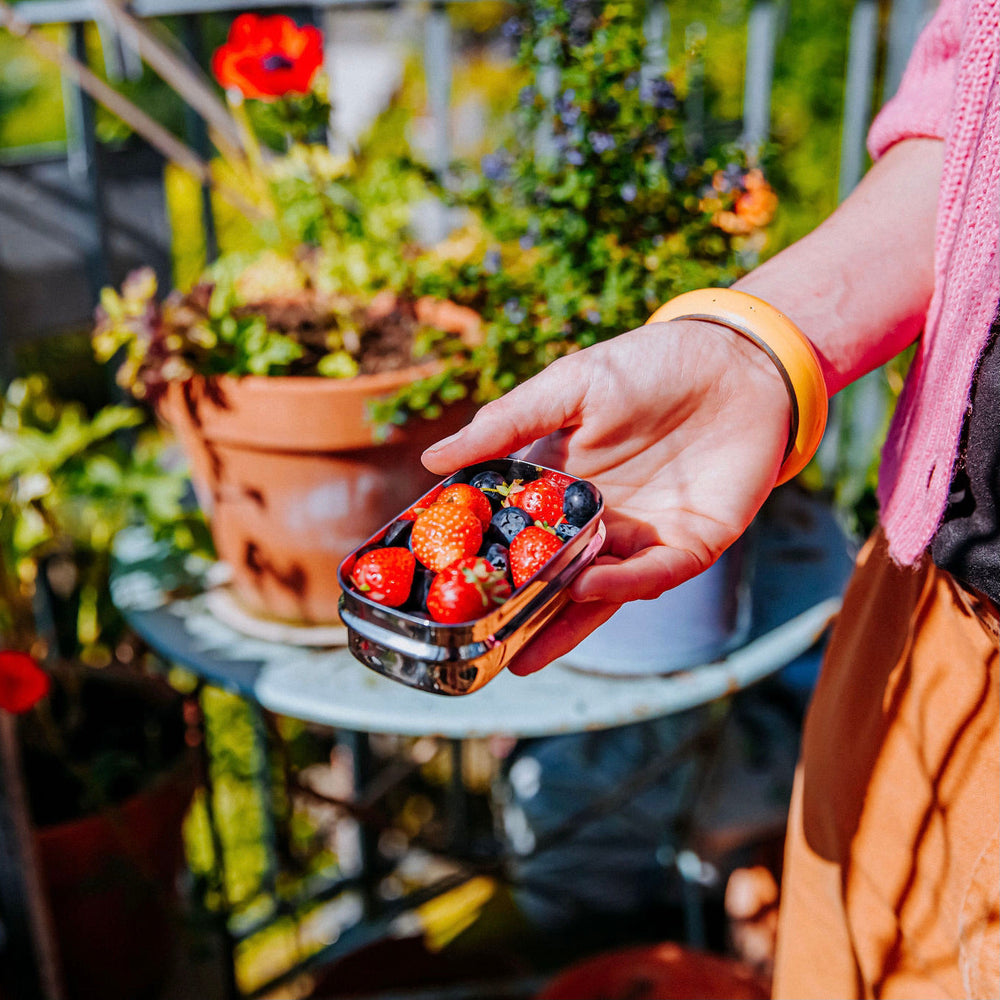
(459, 659)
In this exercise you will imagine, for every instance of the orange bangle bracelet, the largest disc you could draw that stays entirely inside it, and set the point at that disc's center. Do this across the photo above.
(787, 347)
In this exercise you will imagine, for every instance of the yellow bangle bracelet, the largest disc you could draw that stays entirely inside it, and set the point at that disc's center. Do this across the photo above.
(787, 347)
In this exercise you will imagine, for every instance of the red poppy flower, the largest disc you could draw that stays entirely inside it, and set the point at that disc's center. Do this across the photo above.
(267, 57)
(23, 683)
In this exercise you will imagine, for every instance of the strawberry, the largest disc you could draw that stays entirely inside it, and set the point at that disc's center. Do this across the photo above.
(385, 575)
(559, 478)
(465, 590)
(468, 496)
(443, 533)
(542, 499)
(410, 514)
(530, 550)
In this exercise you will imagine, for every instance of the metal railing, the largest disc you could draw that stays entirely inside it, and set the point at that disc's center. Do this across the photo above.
(871, 47)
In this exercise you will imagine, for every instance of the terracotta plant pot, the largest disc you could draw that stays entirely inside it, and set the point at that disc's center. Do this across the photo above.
(110, 875)
(111, 885)
(292, 477)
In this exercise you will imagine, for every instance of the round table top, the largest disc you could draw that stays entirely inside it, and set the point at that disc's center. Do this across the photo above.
(802, 562)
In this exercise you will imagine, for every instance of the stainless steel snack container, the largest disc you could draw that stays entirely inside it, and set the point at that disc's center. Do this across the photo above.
(459, 659)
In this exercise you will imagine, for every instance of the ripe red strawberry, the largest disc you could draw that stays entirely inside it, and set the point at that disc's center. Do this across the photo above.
(560, 478)
(410, 514)
(468, 496)
(465, 590)
(542, 499)
(530, 550)
(443, 533)
(385, 575)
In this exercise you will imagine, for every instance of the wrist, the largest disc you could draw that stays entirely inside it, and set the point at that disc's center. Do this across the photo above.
(787, 348)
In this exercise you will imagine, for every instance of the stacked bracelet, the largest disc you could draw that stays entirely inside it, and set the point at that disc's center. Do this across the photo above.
(787, 347)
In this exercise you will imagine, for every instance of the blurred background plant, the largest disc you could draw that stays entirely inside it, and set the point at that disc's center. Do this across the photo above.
(601, 204)
(69, 481)
(317, 280)
(703, 41)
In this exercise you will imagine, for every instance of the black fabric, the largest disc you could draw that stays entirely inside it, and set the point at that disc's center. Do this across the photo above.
(967, 544)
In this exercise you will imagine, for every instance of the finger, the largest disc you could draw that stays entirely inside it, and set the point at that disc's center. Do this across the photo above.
(561, 635)
(543, 404)
(641, 577)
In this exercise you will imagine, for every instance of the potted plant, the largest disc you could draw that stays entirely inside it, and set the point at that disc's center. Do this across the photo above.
(100, 738)
(271, 367)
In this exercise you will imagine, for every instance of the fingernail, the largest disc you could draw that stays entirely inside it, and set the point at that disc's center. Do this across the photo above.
(439, 445)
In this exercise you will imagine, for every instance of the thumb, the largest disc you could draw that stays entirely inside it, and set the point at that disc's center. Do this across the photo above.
(528, 412)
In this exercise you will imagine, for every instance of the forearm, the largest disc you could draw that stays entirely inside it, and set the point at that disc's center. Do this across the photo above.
(859, 285)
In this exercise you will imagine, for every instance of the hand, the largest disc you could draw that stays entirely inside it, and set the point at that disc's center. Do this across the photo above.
(682, 426)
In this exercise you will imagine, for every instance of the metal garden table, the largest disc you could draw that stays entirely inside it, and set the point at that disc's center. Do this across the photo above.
(803, 559)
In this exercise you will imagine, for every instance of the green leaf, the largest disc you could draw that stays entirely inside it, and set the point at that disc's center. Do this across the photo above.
(339, 364)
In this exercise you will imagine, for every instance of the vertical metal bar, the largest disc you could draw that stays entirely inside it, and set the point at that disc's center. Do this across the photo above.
(759, 79)
(361, 759)
(327, 18)
(438, 74)
(438, 70)
(835, 453)
(458, 803)
(262, 778)
(656, 29)
(694, 131)
(83, 162)
(858, 94)
(197, 135)
(906, 18)
(29, 948)
(230, 988)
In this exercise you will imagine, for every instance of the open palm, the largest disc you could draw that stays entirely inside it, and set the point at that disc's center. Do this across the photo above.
(682, 426)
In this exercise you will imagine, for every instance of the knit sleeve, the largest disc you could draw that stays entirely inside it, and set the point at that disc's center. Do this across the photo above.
(920, 105)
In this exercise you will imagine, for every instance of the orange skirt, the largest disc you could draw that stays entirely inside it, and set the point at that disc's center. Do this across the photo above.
(891, 884)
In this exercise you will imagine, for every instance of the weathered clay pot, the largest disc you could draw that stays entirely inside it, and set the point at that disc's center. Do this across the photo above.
(292, 478)
(110, 875)
(111, 882)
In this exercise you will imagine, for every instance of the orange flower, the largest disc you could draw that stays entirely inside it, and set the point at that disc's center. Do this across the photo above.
(23, 683)
(268, 57)
(754, 208)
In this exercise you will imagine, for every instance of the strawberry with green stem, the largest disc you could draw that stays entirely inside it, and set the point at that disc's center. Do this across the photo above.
(466, 590)
(542, 499)
(530, 550)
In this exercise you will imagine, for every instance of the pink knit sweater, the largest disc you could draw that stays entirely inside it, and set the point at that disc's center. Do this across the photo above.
(951, 90)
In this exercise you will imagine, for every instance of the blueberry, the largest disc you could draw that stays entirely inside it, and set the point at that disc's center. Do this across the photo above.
(580, 502)
(498, 556)
(398, 533)
(507, 523)
(490, 483)
(566, 531)
(416, 603)
(524, 471)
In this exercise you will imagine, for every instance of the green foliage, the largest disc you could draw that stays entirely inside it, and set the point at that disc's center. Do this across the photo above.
(290, 292)
(31, 111)
(68, 483)
(599, 207)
